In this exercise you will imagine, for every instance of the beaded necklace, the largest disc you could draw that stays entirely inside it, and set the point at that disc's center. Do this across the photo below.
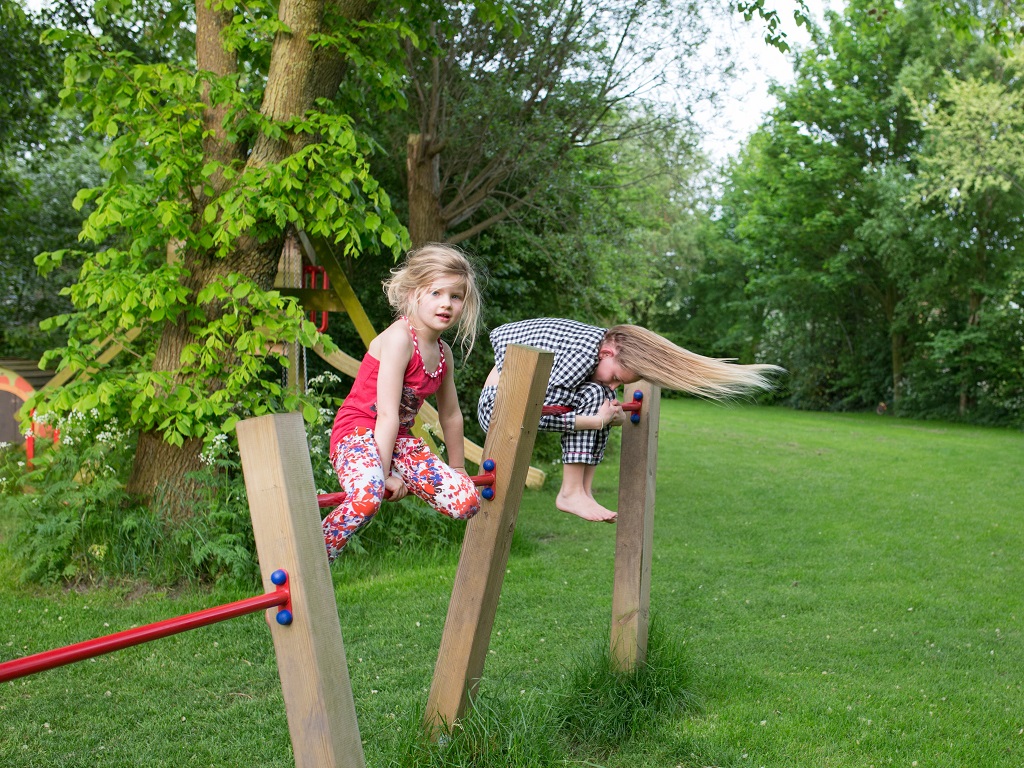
(416, 345)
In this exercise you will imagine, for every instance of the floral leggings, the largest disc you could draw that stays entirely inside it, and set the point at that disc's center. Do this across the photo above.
(357, 463)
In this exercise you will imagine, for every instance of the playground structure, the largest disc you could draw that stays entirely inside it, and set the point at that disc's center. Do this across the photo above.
(19, 380)
(307, 630)
(14, 391)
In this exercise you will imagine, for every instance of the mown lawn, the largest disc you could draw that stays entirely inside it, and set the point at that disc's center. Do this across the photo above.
(845, 589)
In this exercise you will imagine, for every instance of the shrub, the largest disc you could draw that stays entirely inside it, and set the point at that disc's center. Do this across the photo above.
(74, 522)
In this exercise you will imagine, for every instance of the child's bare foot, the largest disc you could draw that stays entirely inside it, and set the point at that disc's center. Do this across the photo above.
(582, 505)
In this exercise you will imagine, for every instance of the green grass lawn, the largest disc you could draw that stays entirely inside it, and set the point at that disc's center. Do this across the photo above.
(845, 589)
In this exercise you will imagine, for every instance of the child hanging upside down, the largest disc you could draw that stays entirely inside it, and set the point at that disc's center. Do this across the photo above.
(590, 364)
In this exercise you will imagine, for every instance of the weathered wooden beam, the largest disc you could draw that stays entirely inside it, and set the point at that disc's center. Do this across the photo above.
(631, 593)
(488, 538)
(107, 350)
(315, 299)
(310, 653)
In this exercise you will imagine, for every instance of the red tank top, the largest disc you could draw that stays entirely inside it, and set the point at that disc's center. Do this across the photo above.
(360, 407)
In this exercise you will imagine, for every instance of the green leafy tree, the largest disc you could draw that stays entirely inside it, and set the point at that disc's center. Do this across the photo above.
(36, 217)
(972, 174)
(541, 146)
(872, 274)
(496, 113)
(28, 99)
(820, 186)
(27, 79)
(208, 166)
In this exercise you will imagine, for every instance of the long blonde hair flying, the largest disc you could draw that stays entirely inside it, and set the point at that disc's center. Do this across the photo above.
(659, 361)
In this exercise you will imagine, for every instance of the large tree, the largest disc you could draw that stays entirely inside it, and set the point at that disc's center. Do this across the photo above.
(972, 175)
(209, 165)
(494, 114)
(815, 182)
(866, 288)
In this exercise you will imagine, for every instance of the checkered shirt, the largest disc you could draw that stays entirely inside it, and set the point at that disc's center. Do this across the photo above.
(575, 346)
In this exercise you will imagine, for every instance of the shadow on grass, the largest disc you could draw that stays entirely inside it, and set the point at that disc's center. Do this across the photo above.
(597, 712)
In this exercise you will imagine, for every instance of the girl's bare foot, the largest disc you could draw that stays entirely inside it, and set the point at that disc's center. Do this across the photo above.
(584, 506)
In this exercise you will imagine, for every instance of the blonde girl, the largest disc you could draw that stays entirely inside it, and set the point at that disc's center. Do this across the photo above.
(372, 448)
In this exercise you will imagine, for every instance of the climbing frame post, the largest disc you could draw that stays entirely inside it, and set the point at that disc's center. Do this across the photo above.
(310, 654)
(631, 595)
(488, 538)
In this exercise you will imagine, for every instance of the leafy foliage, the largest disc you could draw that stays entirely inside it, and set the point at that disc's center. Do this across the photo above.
(76, 524)
(850, 262)
(158, 200)
(27, 79)
(37, 216)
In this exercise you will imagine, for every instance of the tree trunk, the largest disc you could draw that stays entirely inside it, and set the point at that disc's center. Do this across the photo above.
(296, 77)
(969, 375)
(213, 57)
(156, 461)
(897, 341)
(161, 469)
(423, 164)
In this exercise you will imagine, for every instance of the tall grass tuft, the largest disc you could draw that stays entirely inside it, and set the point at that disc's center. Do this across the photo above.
(603, 708)
(497, 732)
(597, 711)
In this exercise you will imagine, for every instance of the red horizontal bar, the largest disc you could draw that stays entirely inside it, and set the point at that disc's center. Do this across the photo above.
(330, 499)
(487, 478)
(558, 410)
(325, 500)
(554, 410)
(87, 649)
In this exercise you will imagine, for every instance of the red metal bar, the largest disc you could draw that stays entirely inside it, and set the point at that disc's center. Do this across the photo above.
(30, 446)
(330, 499)
(634, 406)
(312, 273)
(325, 500)
(87, 649)
(558, 410)
(487, 478)
(555, 410)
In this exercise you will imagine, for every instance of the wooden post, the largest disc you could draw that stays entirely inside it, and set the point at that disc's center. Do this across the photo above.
(631, 596)
(310, 653)
(485, 548)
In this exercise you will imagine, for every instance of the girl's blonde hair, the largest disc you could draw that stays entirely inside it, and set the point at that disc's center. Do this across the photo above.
(659, 361)
(422, 267)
